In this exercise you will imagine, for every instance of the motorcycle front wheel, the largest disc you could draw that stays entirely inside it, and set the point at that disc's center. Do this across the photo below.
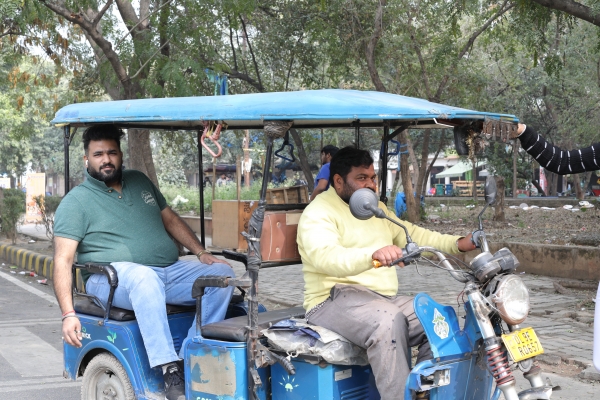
(105, 378)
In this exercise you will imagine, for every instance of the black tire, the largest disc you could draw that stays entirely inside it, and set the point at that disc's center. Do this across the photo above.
(105, 378)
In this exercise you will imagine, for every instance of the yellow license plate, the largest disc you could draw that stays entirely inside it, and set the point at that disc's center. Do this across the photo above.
(522, 344)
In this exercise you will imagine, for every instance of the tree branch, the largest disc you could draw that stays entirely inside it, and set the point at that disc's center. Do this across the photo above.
(419, 55)
(573, 8)
(503, 9)
(252, 54)
(129, 16)
(371, 46)
(235, 65)
(246, 78)
(95, 38)
(101, 13)
(149, 59)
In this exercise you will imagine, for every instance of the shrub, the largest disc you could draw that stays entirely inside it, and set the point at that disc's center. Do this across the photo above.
(186, 200)
(47, 206)
(12, 209)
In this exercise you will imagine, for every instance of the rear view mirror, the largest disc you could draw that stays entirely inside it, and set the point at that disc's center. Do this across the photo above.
(490, 190)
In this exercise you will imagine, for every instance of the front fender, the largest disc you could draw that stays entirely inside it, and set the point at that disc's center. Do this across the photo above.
(441, 326)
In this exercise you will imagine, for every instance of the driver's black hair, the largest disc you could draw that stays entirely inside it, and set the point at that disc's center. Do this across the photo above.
(102, 132)
(348, 157)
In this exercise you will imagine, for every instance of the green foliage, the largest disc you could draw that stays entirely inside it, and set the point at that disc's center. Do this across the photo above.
(47, 206)
(186, 200)
(12, 209)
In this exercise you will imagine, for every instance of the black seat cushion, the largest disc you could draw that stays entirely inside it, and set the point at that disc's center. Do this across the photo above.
(234, 329)
(85, 305)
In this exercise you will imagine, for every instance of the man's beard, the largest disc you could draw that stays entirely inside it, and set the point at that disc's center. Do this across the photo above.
(348, 190)
(113, 177)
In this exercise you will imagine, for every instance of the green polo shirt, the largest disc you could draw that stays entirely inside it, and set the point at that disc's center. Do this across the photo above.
(112, 226)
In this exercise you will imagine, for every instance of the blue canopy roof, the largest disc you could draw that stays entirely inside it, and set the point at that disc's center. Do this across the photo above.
(308, 108)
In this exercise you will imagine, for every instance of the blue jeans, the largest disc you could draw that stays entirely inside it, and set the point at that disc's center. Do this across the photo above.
(146, 290)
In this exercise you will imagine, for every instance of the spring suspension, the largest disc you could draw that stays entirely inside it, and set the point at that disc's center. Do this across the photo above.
(498, 363)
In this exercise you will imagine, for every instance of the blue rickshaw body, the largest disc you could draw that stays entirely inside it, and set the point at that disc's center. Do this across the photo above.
(124, 340)
(455, 352)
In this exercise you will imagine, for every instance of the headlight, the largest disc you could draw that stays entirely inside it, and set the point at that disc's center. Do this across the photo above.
(512, 299)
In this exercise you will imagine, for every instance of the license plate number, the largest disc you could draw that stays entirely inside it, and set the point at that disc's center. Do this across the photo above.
(522, 344)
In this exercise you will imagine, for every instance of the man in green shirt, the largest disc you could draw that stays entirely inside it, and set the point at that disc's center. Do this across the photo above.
(120, 217)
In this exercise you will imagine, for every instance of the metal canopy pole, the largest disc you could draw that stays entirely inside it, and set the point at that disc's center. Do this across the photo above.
(201, 188)
(357, 134)
(383, 164)
(67, 143)
(254, 263)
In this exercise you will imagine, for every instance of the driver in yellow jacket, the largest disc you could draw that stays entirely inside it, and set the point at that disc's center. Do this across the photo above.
(342, 290)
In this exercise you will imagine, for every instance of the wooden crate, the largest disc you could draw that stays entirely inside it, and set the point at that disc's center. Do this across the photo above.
(465, 188)
(288, 195)
(229, 218)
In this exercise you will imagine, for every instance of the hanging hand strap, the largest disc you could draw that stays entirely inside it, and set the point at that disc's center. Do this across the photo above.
(213, 136)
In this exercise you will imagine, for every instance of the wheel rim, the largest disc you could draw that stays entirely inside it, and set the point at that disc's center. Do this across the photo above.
(107, 385)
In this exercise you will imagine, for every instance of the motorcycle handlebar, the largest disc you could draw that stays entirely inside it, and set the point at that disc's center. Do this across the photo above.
(458, 275)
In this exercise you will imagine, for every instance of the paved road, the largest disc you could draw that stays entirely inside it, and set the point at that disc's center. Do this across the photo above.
(30, 342)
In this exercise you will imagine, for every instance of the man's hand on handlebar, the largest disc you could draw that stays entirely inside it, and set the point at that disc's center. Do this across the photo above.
(71, 330)
(467, 243)
(386, 255)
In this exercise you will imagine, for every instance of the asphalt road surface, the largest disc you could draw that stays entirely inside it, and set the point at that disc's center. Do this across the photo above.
(30, 341)
(31, 345)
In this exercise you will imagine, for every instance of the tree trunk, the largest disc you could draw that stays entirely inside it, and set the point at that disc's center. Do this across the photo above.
(499, 208)
(428, 171)
(539, 188)
(140, 153)
(422, 176)
(411, 203)
(474, 187)
(577, 186)
(552, 179)
(413, 161)
(303, 158)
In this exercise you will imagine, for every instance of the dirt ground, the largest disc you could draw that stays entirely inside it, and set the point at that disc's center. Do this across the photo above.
(557, 226)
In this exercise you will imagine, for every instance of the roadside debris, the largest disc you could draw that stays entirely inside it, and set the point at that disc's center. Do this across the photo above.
(560, 288)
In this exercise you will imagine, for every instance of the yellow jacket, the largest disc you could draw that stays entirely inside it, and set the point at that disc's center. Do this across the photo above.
(336, 247)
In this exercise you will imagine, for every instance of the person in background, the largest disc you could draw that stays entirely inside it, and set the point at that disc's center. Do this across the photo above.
(555, 159)
(564, 162)
(222, 181)
(322, 179)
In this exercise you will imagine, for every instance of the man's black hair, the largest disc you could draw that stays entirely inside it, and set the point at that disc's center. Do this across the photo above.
(330, 149)
(102, 132)
(348, 157)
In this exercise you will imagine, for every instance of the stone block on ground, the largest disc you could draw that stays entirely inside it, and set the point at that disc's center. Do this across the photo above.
(590, 373)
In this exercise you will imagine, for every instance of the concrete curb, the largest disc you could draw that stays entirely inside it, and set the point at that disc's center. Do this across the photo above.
(41, 264)
(572, 262)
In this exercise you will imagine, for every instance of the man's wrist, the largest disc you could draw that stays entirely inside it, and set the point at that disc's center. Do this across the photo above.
(202, 252)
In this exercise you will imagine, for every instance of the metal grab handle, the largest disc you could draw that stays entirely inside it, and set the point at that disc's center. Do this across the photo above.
(214, 137)
(286, 143)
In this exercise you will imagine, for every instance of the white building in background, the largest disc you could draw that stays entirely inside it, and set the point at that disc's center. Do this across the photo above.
(445, 169)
